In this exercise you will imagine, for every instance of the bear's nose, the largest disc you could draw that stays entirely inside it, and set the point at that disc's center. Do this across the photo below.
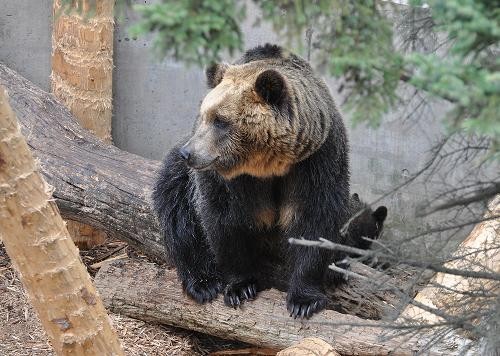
(185, 152)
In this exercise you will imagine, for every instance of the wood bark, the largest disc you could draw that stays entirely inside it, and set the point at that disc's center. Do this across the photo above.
(85, 236)
(148, 292)
(40, 248)
(82, 62)
(82, 70)
(100, 185)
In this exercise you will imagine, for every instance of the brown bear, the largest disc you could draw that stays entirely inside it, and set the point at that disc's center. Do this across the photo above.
(267, 161)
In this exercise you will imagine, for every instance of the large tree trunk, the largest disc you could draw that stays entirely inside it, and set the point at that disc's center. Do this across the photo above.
(108, 188)
(40, 248)
(82, 70)
(148, 292)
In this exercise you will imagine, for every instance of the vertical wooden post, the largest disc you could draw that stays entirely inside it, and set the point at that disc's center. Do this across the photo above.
(82, 72)
(40, 248)
(82, 63)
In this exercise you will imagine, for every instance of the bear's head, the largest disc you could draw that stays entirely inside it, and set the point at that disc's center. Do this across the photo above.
(252, 120)
(368, 224)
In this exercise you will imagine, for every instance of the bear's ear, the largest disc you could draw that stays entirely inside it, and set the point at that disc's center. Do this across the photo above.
(215, 73)
(355, 197)
(380, 214)
(271, 87)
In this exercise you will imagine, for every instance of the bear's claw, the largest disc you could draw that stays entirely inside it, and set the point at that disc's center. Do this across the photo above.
(305, 306)
(235, 294)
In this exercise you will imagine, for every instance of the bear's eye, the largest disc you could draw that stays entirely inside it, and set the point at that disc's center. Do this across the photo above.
(220, 123)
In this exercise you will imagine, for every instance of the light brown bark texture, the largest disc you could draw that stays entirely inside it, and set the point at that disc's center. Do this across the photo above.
(481, 252)
(40, 248)
(82, 71)
(148, 292)
(105, 187)
(82, 63)
(85, 236)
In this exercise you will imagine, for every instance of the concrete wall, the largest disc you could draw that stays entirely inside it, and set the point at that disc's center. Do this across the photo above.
(155, 103)
(161, 108)
(25, 38)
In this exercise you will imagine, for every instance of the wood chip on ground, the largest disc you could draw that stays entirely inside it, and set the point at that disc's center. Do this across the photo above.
(21, 333)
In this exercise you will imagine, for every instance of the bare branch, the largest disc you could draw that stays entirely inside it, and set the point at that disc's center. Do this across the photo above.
(484, 194)
(323, 243)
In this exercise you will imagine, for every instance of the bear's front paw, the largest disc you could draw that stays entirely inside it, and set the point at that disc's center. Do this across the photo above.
(203, 290)
(305, 304)
(237, 292)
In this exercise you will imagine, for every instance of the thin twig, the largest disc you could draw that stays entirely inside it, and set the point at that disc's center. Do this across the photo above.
(323, 243)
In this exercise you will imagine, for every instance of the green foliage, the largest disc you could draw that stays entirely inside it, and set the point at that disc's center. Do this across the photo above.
(356, 41)
(192, 31)
(468, 75)
(353, 40)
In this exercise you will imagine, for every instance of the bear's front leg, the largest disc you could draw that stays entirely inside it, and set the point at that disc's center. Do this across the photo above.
(318, 215)
(314, 204)
(201, 284)
(311, 220)
(306, 294)
(189, 250)
(236, 260)
(184, 238)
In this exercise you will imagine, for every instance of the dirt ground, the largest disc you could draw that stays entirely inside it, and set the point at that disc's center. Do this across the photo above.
(21, 332)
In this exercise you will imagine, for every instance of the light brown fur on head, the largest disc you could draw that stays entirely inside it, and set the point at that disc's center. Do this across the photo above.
(235, 99)
(264, 140)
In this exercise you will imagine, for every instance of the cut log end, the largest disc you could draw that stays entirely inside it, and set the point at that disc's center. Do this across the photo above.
(311, 346)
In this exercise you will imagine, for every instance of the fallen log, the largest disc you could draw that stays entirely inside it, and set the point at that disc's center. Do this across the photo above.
(108, 188)
(95, 183)
(148, 292)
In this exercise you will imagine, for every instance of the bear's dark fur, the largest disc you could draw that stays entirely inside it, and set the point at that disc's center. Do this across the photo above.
(267, 161)
(366, 225)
